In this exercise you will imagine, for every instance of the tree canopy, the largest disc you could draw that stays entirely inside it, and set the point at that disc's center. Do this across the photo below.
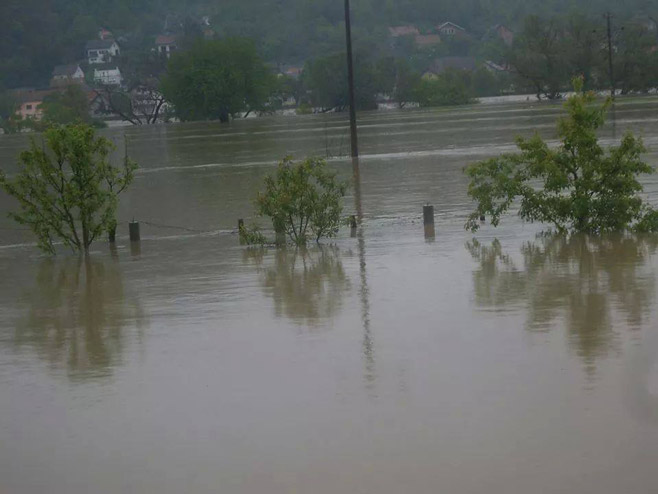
(35, 35)
(217, 79)
(577, 187)
(67, 190)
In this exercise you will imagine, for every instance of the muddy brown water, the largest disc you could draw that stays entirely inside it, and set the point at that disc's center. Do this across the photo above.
(505, 362)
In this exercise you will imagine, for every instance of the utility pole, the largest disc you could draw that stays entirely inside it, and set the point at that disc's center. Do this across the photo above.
(608, 17)
(350, 80)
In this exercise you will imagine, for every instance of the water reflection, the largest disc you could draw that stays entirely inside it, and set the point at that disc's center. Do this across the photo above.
(76, 316)
(364, 291)
(307, 285)
(593, 285)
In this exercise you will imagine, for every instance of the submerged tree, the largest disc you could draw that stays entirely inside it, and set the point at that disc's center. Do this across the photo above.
(578, 186)
(452, 87)
(303, 197)
(217, 80)
(67, 107)
(68, 190)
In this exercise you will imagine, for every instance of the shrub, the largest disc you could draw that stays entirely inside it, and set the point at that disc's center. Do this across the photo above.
(578, 187)
(303, 197)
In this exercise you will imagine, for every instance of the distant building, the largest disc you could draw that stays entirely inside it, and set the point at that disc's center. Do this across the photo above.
(101, 51)
(108, 75)
(105, 34)
(450, 29)
(294, 72)
(427, 40)
(29, 102)
(400, 31)
(441, 65)
(67, 74)
(166, 44)
(500, 32)
(494, 67)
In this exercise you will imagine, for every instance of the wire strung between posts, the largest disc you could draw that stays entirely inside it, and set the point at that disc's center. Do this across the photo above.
(173, 227)
(15, 229)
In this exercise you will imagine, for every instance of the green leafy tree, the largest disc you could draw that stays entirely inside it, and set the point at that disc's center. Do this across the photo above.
(303, 198)
(69, 106)
(217, 80)
(578, 187)
(326, 80)
(449, 88)
(636, 60)
(7, 112)
(396, 78)
(539, 57)
(67, 189)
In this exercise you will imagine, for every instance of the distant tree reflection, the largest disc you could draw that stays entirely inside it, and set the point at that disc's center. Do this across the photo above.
(76, 315)
(306, 285)
(590, 282)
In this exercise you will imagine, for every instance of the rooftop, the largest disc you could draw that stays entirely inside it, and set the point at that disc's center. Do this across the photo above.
(397, 31)
(65, 70)
(165, 39)
(440, 65)
(100, 44)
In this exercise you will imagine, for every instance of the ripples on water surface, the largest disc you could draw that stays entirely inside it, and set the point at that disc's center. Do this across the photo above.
(506, 363)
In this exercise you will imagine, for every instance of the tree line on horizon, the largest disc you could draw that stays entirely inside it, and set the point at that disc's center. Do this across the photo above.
(35, 34)
(228, 76)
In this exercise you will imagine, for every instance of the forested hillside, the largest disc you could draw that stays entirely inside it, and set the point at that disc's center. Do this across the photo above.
(35, 35)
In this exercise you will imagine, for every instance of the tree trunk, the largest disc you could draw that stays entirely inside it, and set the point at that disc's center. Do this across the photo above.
(223, 116)
(85, 237)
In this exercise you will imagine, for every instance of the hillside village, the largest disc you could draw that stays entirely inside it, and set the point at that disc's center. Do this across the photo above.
(121, 83)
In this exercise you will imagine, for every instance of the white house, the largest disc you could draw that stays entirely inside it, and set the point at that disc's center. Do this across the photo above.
(450, 29)
(67, 74)
(102, 51)
(166, 44)
(108, 75)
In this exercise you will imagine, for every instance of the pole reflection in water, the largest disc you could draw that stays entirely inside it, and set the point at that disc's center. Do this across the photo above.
(76, 316)
(591, 284)
(368, 343)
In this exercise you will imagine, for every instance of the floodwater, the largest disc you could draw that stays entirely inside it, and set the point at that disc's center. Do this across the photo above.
(505, 362)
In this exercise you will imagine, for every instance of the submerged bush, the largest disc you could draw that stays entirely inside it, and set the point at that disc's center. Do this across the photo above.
(252, 235)
(447, 89)
(303, 199)
(577, 187)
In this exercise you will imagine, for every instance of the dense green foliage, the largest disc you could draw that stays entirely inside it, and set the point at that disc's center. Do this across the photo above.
(548, 52)
(69, 106)
(326, 80)
(577, 187)
(217, 80)
(303, 199)
(67, 189)
(449, 88)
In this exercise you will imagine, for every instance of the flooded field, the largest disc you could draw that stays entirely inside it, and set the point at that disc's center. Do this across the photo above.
(505, 362)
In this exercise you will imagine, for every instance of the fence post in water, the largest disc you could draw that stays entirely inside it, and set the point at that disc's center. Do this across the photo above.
(133, 228)
(352, 226)
(240, 230)
(428, 221)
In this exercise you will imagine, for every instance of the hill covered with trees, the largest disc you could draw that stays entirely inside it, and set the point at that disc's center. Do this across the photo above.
(35, 35)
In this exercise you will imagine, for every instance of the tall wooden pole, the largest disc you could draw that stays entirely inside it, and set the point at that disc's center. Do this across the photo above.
(350, 80)
(608, 18)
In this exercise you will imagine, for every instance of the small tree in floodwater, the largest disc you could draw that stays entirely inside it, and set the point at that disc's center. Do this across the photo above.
(578, 187)
(66, 189)
(303, 198)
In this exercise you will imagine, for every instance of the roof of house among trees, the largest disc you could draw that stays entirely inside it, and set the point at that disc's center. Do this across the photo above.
(65, 70)
(100, 44)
